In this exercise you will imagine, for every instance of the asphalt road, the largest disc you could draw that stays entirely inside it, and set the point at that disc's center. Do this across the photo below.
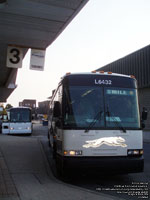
(25, 173)
(131, 186)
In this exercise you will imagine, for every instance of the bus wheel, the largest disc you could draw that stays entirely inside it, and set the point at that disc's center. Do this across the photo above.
(49, 144)
(61, 172)
(58, 166)
(48, 134)
(54, 151)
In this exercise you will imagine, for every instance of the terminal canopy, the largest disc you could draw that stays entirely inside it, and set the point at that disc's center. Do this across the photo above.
(30, 24)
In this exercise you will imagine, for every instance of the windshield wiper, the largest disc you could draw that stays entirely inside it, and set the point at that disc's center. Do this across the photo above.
(118, 124)
(94, 121)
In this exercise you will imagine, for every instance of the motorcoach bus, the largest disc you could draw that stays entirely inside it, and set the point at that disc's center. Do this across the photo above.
(94, 123)
(19, 121)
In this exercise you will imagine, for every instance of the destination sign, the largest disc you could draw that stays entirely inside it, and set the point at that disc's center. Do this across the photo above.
(120, 92)
(99, 80)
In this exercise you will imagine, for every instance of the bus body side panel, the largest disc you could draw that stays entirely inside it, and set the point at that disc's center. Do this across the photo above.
(102, 149)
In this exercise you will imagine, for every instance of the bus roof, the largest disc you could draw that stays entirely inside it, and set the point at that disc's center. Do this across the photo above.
(20, 107)
(113, 79)
(98, 73)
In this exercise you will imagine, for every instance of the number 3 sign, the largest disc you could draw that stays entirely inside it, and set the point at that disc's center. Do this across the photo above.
(14, 57)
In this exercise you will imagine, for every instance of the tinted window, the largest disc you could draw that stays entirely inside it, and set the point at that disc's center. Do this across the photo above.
(20, 115)
(83, 105)
(121, 107)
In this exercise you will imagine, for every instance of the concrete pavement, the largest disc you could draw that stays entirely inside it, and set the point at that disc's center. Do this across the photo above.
(29, 176)
(7, 186)
(25, 173)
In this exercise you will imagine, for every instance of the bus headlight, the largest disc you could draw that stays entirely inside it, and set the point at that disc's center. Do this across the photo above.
(11, 128)
(29, 128)
(135, 152)
(73, 153)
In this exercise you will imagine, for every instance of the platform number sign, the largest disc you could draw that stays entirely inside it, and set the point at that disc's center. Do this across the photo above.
(14, 57)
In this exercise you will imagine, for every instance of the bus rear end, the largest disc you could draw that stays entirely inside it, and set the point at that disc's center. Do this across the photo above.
(20, 128)
(20, 121)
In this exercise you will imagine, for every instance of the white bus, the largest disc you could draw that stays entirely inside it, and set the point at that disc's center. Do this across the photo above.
(19, 121)
(94, 123)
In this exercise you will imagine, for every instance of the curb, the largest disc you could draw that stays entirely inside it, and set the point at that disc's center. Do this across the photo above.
(50, 174)
(8, 189)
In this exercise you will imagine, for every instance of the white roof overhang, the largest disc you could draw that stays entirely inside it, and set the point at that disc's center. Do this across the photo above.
(30, 24)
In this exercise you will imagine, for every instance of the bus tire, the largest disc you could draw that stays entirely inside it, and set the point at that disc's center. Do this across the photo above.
(49, 144)
(48, 134)
(54, 150)
(61, 172)
(58, 166)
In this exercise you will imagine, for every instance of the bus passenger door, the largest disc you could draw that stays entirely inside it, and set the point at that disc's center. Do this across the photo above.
(57, 124)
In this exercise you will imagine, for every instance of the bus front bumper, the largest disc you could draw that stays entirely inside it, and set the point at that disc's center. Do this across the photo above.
(105, 164)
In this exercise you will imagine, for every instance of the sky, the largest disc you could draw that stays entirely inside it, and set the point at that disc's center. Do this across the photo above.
(103, 31)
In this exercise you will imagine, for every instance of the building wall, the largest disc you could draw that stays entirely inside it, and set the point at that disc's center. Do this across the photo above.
(31, 103)
(144, 101)
(137, 64)
(43, 107)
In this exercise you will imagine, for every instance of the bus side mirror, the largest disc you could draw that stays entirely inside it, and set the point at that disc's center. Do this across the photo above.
(144, 114)
(57, 110)
(58, 123)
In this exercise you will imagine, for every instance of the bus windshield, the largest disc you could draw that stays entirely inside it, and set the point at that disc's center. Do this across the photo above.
(103, 107)
(20, 115)
(121, 107)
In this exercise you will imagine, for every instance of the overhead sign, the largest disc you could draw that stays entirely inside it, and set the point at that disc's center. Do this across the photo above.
(37, 59)
(14, 57)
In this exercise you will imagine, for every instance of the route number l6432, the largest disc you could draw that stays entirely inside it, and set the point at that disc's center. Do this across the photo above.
(103, 82)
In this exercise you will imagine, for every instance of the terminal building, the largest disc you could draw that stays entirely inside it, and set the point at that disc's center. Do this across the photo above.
(31, 103)
(137, 64)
